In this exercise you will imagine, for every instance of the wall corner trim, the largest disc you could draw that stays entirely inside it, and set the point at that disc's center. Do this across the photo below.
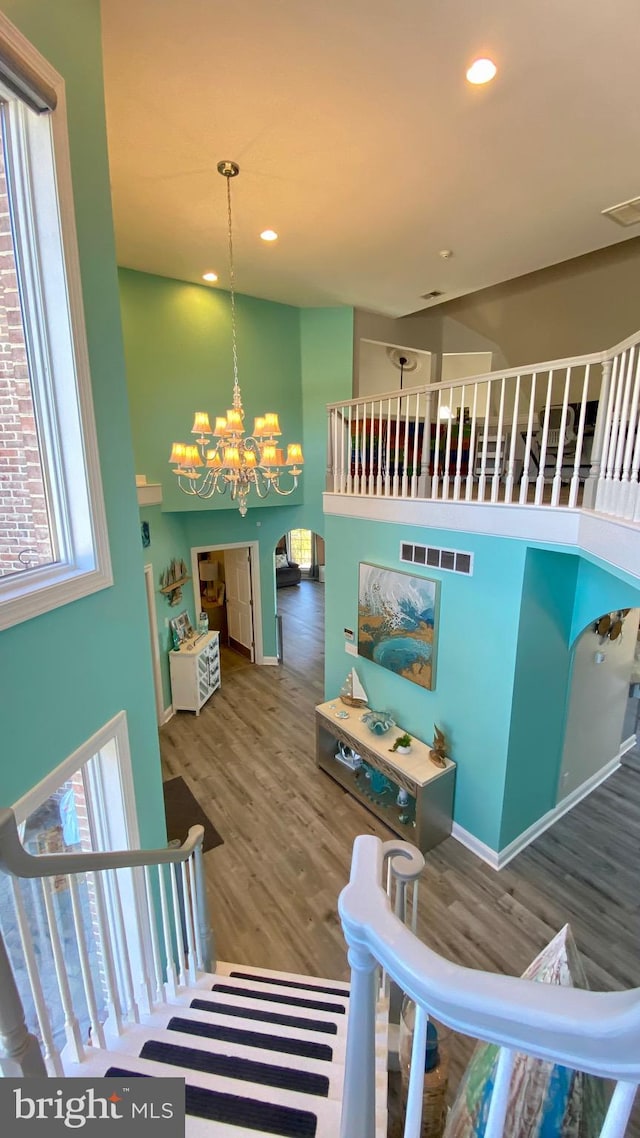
(475, 845)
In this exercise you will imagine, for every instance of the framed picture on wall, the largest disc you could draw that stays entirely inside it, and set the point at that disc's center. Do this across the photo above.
(182, 626)
(398, 622)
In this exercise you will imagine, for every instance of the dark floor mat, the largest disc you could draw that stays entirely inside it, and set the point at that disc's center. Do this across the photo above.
(263, 1074)
(260, 1016)
(236, 1111)
(276, 998)
(182, 811)
(246, 1038)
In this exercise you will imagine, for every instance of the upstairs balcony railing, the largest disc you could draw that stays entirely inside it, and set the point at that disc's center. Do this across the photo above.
(561, 433)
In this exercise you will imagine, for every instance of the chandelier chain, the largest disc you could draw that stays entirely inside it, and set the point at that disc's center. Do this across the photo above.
(232, 287)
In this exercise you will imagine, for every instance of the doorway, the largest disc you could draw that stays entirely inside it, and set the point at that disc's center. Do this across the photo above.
(226, 586)
(155, 647)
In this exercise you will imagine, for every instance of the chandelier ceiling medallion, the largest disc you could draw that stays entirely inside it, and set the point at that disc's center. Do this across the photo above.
(224, 457)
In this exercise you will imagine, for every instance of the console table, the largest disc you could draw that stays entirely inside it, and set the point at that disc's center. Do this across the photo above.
(426, 819)
(195, 672)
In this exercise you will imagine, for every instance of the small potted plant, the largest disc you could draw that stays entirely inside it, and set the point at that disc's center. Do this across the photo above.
(402, 744)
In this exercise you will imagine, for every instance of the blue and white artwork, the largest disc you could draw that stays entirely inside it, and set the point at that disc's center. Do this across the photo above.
(397, 622)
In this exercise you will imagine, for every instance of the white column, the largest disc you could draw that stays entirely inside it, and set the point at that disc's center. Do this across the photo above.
(20, 1054)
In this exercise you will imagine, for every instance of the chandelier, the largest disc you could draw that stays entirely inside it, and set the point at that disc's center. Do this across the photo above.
(224, 458)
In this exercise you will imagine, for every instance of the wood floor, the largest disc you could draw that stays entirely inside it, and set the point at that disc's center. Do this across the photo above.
(288, 830)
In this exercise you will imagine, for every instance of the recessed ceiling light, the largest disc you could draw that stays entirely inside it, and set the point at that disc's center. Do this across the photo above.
(209, 276)
(269, 235)
(481, 71)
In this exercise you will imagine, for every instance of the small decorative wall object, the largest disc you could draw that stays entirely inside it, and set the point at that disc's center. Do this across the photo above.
(181, 628)
(398, 622)
(145, 534)
(609, 626)
(172, 580)
(438, 752)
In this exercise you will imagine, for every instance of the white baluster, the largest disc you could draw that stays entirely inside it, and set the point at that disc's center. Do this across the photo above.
(206, 946)
(359, 1098)
(482, 480)
(414, 907)
(435, 481)
(20, 1054)
(497, 462)
(71, 1025)
(124, 956)
(351, 477)
(459, 447)
(387, 451)
(632, 451)
(396, 441)
(188, 920)
(357, 485)
(113, 996)
(557, 477)
(416, 432)
(173, 875)
(624, 440)
(531, 419)
(620, 1106)
(500, 1095)
(543, 444)
(611, 438)
(405, 449)
(447, 448)
(158, 994)
(381, 447)
(424, 487)
(51, 1053)
(413, 1120)
(595, 470)
(166, 934)
(97, 1033)
(371, 478)
(468, 493)
(577, 462)
(513, 435)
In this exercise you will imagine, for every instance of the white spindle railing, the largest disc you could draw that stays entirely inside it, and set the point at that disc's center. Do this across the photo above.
(594, 1032)
(561, 433)
(133, 967)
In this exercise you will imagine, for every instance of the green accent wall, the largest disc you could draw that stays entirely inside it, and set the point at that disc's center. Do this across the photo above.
(67, 672)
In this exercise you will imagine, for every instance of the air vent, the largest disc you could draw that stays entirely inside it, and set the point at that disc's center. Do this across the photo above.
(625, 214)
(431, 556)
(433, 294)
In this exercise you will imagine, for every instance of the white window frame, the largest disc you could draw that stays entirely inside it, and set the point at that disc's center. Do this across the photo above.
(39, 176)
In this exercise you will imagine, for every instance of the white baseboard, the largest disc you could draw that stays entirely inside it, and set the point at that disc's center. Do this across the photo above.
(168, 714)
(271, 660)
(498, 859)
(475, 845)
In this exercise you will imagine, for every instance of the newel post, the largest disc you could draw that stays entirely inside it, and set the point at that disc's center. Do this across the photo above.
(20, 1054)
(592, 482)
(206, 945)
(359, 1098)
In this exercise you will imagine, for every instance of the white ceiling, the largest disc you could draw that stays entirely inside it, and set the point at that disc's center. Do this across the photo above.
(361, 143)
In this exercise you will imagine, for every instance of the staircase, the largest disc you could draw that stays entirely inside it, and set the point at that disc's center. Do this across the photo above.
(260, 1052)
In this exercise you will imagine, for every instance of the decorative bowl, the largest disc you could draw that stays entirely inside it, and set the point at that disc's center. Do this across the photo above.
(378, 721)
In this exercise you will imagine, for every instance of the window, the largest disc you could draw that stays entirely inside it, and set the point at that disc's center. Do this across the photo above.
(300, 542)
(53, 538)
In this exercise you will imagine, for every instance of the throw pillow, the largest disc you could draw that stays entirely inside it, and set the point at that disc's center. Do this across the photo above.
(544, 1098)
(282, 561)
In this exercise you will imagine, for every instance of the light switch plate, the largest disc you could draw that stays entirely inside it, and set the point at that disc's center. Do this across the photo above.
(352, 649)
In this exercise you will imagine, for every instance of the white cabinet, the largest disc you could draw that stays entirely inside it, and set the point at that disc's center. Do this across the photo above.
(195, 672)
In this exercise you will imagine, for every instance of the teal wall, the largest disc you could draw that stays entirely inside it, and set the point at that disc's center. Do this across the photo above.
(66, 673)
(178, 354)
(168, 542)
(476, 654)
(177, 340)
(541, 689)
(600, 590)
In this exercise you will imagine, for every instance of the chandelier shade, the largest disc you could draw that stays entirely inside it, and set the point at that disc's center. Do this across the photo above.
(223, 458)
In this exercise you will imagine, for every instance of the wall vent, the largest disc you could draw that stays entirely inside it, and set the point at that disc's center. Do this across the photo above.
(625, 214)
(432, 557)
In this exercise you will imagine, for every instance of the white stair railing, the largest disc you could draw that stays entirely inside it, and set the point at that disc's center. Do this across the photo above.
(564, 432)
(146, 947)
(594, 1032)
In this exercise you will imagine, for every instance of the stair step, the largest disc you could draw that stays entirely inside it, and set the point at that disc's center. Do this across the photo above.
(237, 1110)
(278, 998)
(261, 1016)
(261, 978)
(233, 1067)
(282, 1044)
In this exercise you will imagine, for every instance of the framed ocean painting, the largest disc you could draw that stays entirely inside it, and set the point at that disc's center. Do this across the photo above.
(398, 622)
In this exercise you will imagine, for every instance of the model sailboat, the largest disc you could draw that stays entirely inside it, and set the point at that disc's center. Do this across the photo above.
(352, 692)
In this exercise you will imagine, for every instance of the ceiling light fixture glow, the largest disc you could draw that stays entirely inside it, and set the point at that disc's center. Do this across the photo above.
(209, 276)
(481, 71)
(269, 235)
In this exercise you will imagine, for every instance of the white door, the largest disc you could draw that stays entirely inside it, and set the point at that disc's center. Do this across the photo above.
(237, 571)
